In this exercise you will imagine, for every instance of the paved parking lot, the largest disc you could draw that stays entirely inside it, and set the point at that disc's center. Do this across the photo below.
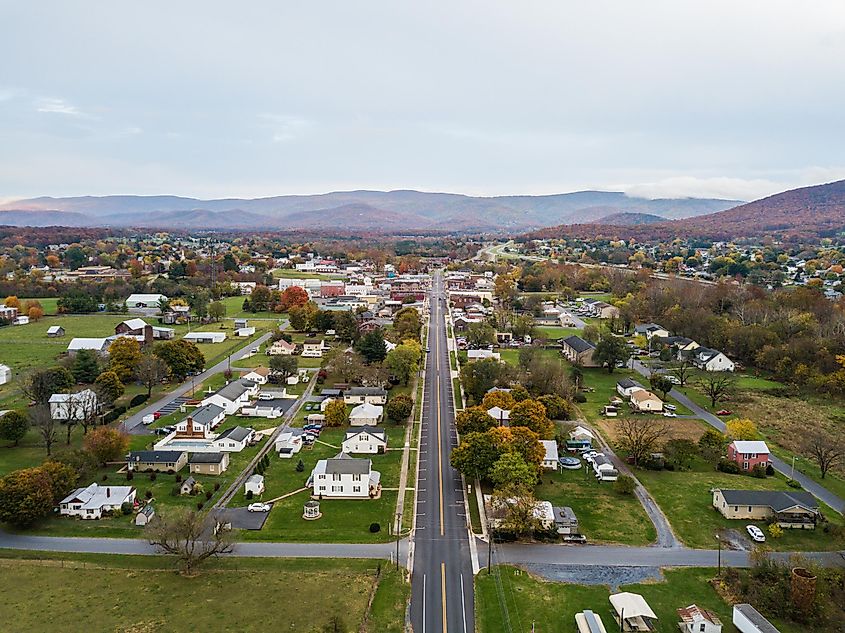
(242, 518)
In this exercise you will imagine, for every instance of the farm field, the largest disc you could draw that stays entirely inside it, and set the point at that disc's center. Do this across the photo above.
(146, 595)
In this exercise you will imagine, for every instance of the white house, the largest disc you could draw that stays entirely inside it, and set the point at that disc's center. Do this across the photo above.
(366, 415)
(482, 354)
(99, 345)
(258, 375)
(550, 458)
(312, 348)
(233, 440)
(646, 402)
(245, 332)
(281, 348)
(233, 396)
(345, 477)
(145, 300)
(5, 374)
(254, 484)
(289, 443)
(92, 501)
(627, 386)
(650, 330)
(361, 395)
(55, 331)
(205, 337)
(603, 468)
(73, 406)
(270, 408)
(712, 360)
(367, 439)
(200, 423)
(694, 619)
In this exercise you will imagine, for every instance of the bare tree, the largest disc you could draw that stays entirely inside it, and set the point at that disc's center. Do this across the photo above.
(682, 370)
(826, 450)
(88, 410)
(46, 426)
(151, 370)
(717, 385)
(186, 535)
(641, 436)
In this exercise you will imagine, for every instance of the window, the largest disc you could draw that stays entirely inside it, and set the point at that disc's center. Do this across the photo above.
(749, 508)
(745, 465)
(356, 488)
(701, 626)
(335, 476)
(321, 488)
(337, 488)
(356, 477)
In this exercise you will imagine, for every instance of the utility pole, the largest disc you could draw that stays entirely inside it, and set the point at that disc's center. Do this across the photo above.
(719, 560)
(398, 536)
(489, 551)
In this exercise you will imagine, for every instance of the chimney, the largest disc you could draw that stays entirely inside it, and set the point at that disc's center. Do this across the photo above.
(108, 492)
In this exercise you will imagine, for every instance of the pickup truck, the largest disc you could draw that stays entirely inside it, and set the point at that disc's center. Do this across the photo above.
(148, 419)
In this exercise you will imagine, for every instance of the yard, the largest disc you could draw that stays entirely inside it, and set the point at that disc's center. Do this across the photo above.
(685, 498)
(553, 605)
(604, 515)
(145, 595)
(343, 520)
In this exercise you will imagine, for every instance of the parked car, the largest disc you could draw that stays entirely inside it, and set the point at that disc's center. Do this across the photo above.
(148, 419)
(157, 415)
(575, 538)
(670, 407)
(309, 406)
(755, 533)
(673, 379)
(724, 412)
(161, 431)
(258, 507)
(670, 414)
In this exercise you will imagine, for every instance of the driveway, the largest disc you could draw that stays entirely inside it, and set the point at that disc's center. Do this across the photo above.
(242, 519)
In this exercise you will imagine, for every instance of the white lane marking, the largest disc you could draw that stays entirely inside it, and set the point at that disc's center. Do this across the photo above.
(463, 604)
(423, 609)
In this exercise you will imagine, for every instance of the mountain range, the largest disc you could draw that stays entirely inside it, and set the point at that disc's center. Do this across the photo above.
(375, 211)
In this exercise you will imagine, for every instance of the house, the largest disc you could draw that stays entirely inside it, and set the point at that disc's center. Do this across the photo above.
(241, 323)
(650, 330)
(98, 345)
(565, 520)
(93, 501)
(462, 323)
(259, 375)
(289, 443)
(200, 423)
(588, 622)
(163, 333)
(187, 486)
(145, 301)
(244, 332)
(367, 439)
(5, 374)
(74, 406)
(233, 440)
(156, 461)
(145, 515)
(694, 619)
(711, 360)
(748, 620)
(255, 485)
(345, 477)
(627, 386)
(632, 612)
(21, 320)
(787, 508)
(550, 458)
(312, 348)
(749, 454)
(208, 463)
(233, 396)
(136, 328)
(8, 312)
(281, 348)
(603, 468)
(366, 415)
(578, 351)
(55, 331)
(205, 337)
(680, 344)
(644, 401)
(502, 416)
(270, 408)
(580, 438)
(361, 395)
(482, 354)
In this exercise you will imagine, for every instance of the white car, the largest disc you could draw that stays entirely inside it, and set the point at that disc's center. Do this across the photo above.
(673, 379)
(755, 533)
(670, 407)
(670, 414)
(258, 507)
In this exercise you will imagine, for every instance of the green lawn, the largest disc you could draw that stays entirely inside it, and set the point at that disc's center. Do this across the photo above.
(234, 310)
(290, 273)
(685, 498)
(343, 521)
(555, 333)
(603, 515)
(553, 605)
(145, 595)
(48, 304)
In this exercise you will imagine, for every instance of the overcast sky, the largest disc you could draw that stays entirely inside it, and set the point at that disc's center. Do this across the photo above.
(215, 99)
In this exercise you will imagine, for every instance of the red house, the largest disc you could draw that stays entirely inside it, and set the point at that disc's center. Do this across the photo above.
(748, 454)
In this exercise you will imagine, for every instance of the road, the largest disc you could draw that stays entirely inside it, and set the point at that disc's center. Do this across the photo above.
(819, 492)
(442, 575)
(134, 423)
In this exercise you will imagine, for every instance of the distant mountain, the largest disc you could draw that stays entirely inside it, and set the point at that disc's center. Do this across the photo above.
(630, 219)
(805, 213)
(385, 211)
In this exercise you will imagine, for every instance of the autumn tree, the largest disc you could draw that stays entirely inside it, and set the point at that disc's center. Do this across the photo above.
(106, 444)
(611, 350)
(336, 414)
(403, 361)
(511, 469)
(14, 426)
(284, 366)
(475, 455)
(109, 387)
(124, 356)
(181, 357)
(741, 429)
(827, 451)
(348, 365)
(150, 371)
(399, 407)
(532, 415)
(640, 437)
(557, 408)
(217, 310)
(293, 297)
(43, 383)
(184, 534)
(498, 398)
(407, 324)
(25, 497)
(711, 445)
(519, 505)
(717, 385)
(474, 420)
(480, 376)
(519, 439)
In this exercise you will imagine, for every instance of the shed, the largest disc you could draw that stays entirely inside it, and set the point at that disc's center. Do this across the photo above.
(145, 515)
(255, 485)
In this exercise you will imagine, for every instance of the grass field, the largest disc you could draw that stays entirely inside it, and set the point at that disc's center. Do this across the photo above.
(598, 507)
(146, 596)
(685, 498)
(553, 605)
(48, 304)
(555, 333)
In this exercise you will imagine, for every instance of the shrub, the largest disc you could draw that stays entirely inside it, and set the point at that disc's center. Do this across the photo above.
(208, 494)
(580, 398)
(624, 485)
(217, 486)
(375, 527)
(153, 476)
(141, 398)
(126, 507)
(794, 484)
(105, 477)
(759, 471)
(728, 467)
(148, 494)
(770, 470)
(174, 491)
(129, 475)
(200, 505)
(178, 478)
(249, 495)
(775, 531)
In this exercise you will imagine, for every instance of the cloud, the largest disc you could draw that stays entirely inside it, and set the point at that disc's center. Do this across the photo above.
(286, 127)
(57, 106)
(693, 187)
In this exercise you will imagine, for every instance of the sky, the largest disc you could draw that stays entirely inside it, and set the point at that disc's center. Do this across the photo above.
(246, 99)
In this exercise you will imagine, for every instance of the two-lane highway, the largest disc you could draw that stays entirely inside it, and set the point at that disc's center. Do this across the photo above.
(442, 578)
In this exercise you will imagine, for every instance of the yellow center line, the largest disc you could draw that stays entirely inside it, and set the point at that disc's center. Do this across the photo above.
(439, 446)
(443, 593)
